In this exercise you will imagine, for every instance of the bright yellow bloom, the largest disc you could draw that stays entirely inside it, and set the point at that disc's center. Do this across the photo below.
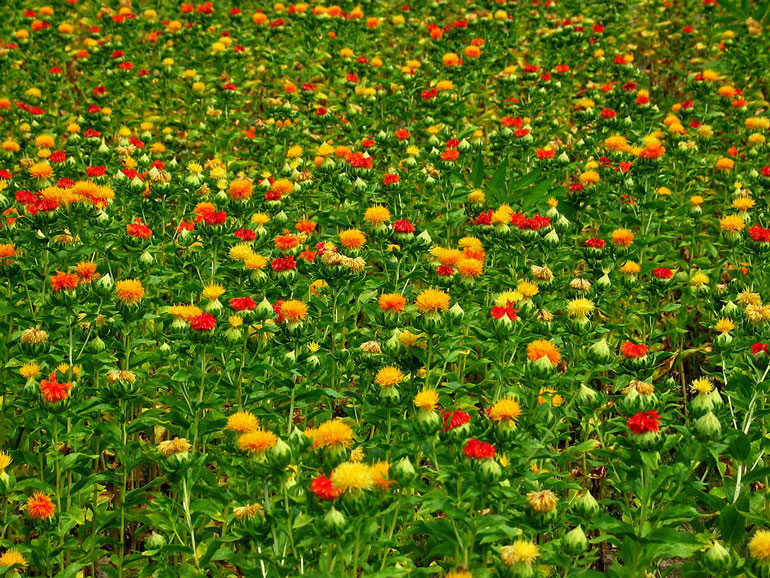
(520, 552)
(257, 441)
(213, 291)
(242, 422)
(331, 434)
(377, 215)
(724, 325)
(759, 547)
(350, 476)
(389, 376)
(426, 399)
(431, 301)
(506, 409)
(580, 308)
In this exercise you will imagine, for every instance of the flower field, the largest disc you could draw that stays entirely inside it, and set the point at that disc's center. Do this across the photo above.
(442, 289)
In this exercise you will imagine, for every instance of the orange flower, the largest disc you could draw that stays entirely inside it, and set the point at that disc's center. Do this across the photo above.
(286, 242)
(86, 271)
(64, 281)
(7, 252)
(543, 348)
(622, 237)
(241, 189)
(40, 506)
(352, 239)
(392, 302)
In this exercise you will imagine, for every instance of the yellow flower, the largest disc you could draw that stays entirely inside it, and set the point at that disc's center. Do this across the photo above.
(11, 557)
(759, 547)
(506, 409)
(431, 301)
(580, 308)
(213, 291)
(331, 434)
(724, 325)
(703, 385)
(589, 177)
(630, 268)
(242, 513)
(174, 446)
(377, 215)
(426, 399)
(622, 237)
(508, 298)
(724, 164)
(548, 394)
(242, 422)
(389, 376)
(130, 291)
(5, 461)
(350, 476)
(470, 267)
(528, 289)
(520, 552)
(699, 279)
(758, 313)
(743, 203)
(732, 223)
(257, 441)
(29, 370)
(543, 501)
(41, 170)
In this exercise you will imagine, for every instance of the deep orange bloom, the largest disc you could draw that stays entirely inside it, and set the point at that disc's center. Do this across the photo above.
(53, 391)
(40, 506)
(64, 281)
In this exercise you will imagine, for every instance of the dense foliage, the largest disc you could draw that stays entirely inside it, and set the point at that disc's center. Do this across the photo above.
(453, 289)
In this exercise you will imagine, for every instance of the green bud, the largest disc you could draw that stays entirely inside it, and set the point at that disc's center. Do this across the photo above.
(575, 540)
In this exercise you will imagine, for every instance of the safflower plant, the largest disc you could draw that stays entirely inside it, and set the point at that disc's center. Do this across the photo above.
(454, 289)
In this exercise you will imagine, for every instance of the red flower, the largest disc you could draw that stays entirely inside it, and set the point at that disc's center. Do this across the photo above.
(758, 348)
(96, 171)
(644, 422)
(445, 270)
(498, 312)
(478, 450)
(390, 179)
(759, 234)
(138, 229)
(243, 303)
(631, 350)
(54, 391)
(595, 243)
(454, 419)
(322, 487)
(203, 322)
(245, 234)
(403, 226)
(283, 264)
(663, 273)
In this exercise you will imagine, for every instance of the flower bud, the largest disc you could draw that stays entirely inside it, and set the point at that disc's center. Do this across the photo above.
(403, 471)
(717, 557)
(575, 541)
(600, 351)
(334, 520)
(586, 505)
(708, 425)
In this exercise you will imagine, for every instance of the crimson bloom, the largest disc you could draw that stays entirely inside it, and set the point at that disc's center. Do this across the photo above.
(644, 422)
(632, 350)
(53, 391)
(322, 487)
(203, 322)
(479, 450)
